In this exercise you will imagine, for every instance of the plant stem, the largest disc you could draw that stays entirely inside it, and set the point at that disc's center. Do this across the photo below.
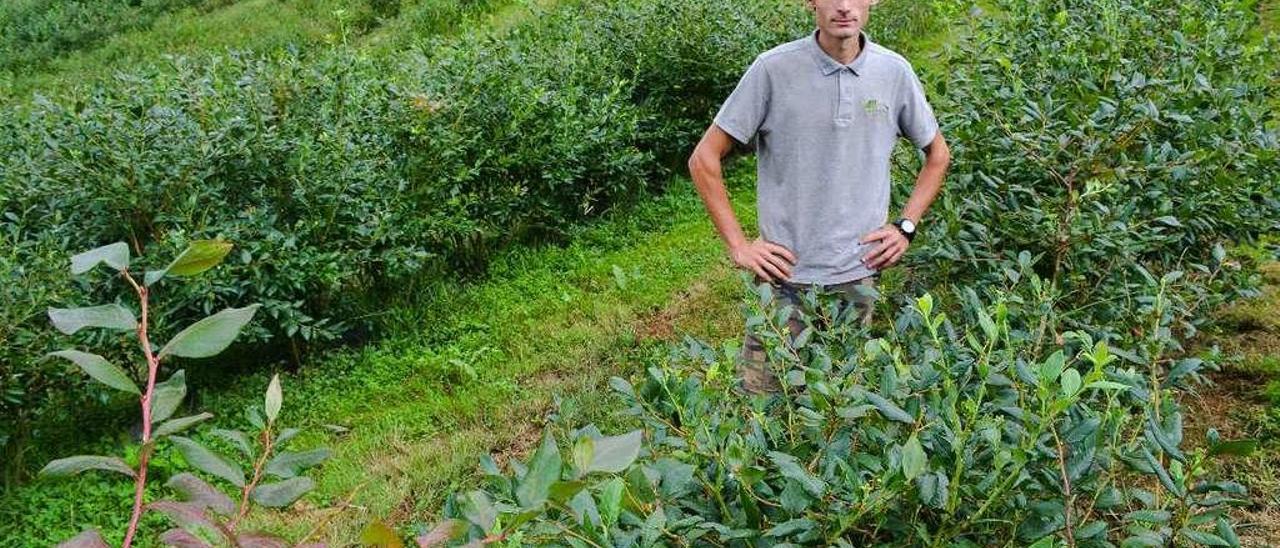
(257, 476)
(153, 366)
(1066, 487)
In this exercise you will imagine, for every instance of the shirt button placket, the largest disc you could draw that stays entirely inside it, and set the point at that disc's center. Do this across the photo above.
(844, 114)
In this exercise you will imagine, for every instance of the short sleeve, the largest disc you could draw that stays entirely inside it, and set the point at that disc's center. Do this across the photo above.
(744, 111)
(915, 117)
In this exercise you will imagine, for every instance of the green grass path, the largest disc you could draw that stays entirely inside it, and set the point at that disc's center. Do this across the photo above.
(551, 321)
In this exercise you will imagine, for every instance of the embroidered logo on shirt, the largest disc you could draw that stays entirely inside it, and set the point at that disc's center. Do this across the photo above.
(873, 108)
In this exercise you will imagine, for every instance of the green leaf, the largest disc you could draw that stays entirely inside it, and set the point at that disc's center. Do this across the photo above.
(115, 255)
(653, 526)
(199, 256)
(1092, 529)
(988, 326)
(584, 511)
(275, 398)
(889, 409)
(610, 501)
(1203, 538)
(209, 336)
(1163, 475)
(1052, 368)
(478, 509)
(1101, 354)
(1107, 385)
(281, 493)
(619, 277)
(798, 525)
(1046, 542)
(562, 491)
(168, 396)
(1227, 532)
(89, 538)
(284, 436)
(914, 461)
(1157, 433)
(205, 460)
(1070, 380)
(177, 425)
(791, 469)
(934, 489)
(583, 451)
(74, 465)
(237, 438)
(1150, 516)
(615, 453)
(100, 369)
(1219, 253)
(925, 305)
(288, 464)
(1239, 448)
(794, 499)
(107, 316)
(544, 470)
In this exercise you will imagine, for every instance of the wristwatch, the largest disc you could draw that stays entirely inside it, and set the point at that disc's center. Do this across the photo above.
(906, 227)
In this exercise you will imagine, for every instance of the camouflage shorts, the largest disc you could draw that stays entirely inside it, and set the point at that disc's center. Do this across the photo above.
(753, 370)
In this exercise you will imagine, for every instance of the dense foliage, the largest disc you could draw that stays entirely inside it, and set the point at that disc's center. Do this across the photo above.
(1107, 153)
(948, 430)
(343, 173)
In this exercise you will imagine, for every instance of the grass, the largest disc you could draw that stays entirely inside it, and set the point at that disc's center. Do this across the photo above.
(257, 25)
(553, 322)
(239, 25)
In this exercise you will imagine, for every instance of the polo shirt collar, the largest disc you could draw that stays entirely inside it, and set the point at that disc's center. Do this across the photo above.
(829, 65)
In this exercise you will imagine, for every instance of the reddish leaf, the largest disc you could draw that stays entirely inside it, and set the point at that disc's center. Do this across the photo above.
(443, 532)
(89, 538)
(182, 539)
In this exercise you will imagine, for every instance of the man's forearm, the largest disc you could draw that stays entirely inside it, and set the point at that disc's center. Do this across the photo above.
(709, 180)
(929, 181)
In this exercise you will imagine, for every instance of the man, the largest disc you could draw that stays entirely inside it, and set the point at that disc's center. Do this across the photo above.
(823, 113)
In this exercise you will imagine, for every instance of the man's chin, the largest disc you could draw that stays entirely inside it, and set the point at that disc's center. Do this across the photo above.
(842, 32)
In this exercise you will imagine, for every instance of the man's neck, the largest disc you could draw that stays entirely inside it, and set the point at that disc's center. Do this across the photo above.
(843, 50)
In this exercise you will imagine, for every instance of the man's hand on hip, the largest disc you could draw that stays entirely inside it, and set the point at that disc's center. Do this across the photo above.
(892, 245)
(768, 260)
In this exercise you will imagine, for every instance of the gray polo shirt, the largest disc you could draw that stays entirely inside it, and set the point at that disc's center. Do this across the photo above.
(823, 134)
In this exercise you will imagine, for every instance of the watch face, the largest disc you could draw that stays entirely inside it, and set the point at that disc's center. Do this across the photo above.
(908, 226)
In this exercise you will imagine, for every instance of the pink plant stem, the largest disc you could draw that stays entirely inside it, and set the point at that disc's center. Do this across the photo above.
(257, 476)
(153, 365)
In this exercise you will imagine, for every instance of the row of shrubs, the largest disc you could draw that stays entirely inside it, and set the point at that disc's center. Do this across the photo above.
(32, 32)
(342, 175)
(1024, 390)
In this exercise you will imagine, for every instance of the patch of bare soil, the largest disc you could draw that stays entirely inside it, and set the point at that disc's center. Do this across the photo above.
(1237, 405)
(661, 324)
(1233, 406)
